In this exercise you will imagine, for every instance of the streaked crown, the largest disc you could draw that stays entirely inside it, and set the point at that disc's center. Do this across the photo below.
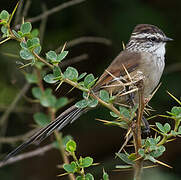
(148, 38)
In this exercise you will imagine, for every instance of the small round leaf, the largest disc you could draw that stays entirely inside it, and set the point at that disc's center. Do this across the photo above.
(86, 162)
(71, 73)
(82, 104)
(26, 54)
(71, 146)
(37, 93)
(41, 119)
(104, 95)
(26, 28)
(70, 168)
(50, 78)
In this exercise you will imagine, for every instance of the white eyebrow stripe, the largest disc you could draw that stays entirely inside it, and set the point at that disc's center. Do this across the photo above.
(146, 35)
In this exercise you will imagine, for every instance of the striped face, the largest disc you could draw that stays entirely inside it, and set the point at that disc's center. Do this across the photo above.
(148, 38)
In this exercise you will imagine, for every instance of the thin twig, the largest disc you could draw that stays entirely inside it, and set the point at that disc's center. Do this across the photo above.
(59, 140)
(42, 60)
(18, 13)
(5, 116)
(54, 10)
(74, 60)
(11, 140)
(86, 39)
(37, 152)
(26, 8)
(43, 23)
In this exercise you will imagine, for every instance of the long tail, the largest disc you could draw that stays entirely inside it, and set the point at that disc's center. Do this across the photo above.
(68, 116)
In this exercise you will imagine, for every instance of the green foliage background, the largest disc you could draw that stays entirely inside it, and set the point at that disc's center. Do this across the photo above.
(113, 19)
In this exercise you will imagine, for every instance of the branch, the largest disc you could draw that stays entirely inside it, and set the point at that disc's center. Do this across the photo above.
(26, 8)
(86, 39)
(14, 139)
(74, 60)
(37, 152)
(5, 116)
(54, 10)
(137, 132)
(43, 24)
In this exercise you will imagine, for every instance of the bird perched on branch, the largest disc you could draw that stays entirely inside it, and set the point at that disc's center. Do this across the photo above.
(144, 54)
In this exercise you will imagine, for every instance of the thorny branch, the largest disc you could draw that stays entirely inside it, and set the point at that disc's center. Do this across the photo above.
(137, 132)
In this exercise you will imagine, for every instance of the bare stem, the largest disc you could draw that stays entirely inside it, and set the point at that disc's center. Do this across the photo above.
(59, 140)
(55, 9)
(137, 132)
(39, 151)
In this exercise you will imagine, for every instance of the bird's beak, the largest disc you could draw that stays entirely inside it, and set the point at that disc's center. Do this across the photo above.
(167, 39)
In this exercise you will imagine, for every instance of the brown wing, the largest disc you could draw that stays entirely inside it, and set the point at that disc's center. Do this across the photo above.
(130, 60)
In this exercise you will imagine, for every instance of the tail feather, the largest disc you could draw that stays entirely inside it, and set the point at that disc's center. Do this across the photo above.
(60, 122)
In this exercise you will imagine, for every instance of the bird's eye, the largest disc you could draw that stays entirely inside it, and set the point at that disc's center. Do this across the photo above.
(153, 39)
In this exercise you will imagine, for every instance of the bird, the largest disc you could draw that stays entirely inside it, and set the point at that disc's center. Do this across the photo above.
(144, 52)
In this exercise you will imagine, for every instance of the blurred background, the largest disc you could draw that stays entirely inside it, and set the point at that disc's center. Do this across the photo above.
(113, 20)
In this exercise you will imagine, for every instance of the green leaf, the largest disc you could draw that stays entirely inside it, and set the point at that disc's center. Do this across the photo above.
(160, 127)
(4, 15)
(158, 139)
(104, 95)
(37, 93)
(124, 111)
(82, 104)
(151, 158)
(82, 76)
(26, 28)
(41, 119)
(66, 139)
(32, 43)
(70, 168)
(124, 158)
(89, 80)
(34, 33)
(4, 30)
(179, 130)
(79, 178)
(23, 44)
(61, 102)
(176, 110)
(89, 176)
(114, 114)
(51, 55)
(141, 152)
(48, 100)
(37, 50)
(62, 55)
(26, 54)
(16, 34)
(56, 71)
(71, 146)
(173, 133)
(31, 78)
(92, 102)
(105, 176)
(85, 95)
(86, 162)
(158, 152)
(71, 73)
(167, 127)
(50, 78)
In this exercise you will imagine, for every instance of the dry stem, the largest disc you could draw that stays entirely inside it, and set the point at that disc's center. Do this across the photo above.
(137, 132)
